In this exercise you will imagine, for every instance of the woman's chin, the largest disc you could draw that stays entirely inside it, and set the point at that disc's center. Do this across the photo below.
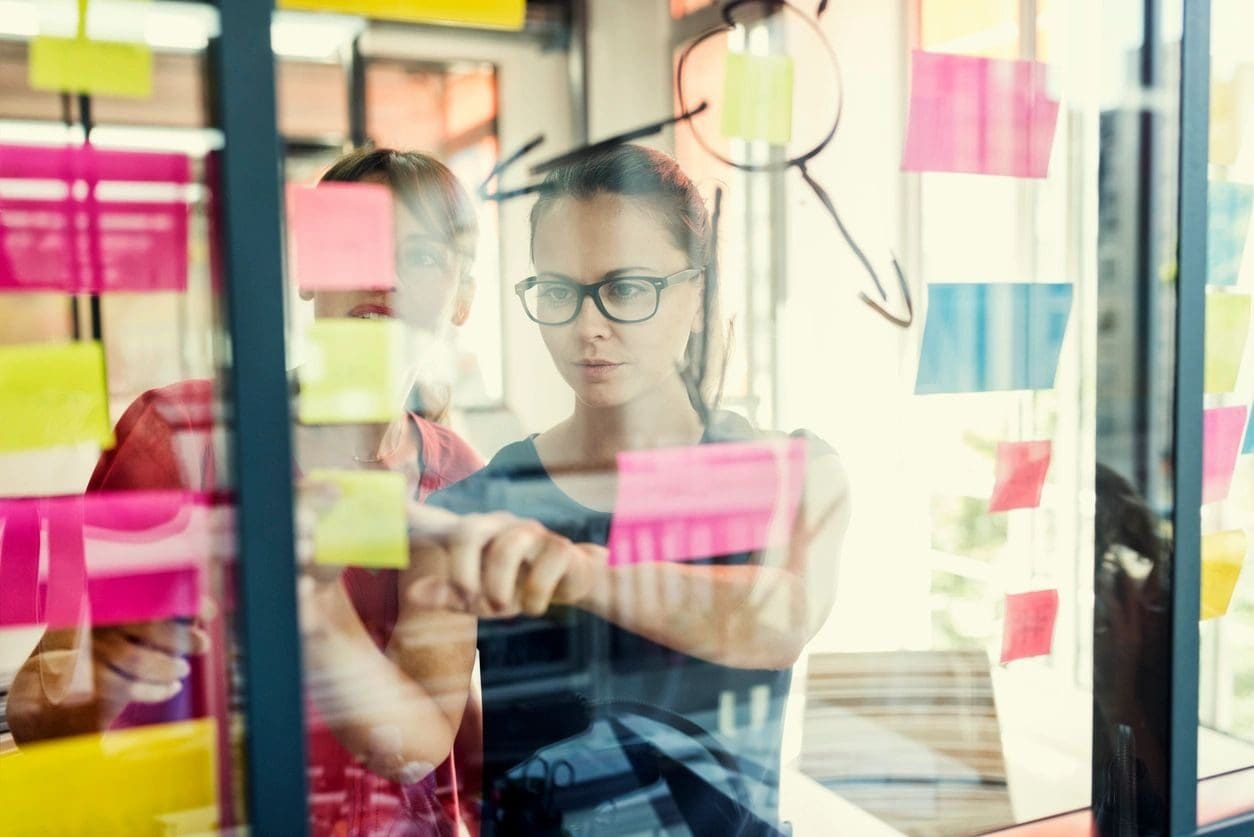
(599, 399)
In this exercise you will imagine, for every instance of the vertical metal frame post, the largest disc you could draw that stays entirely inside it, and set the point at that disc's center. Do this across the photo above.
(243, 97)
(1186, 574)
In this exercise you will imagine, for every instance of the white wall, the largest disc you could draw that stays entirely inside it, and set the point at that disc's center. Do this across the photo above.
(628, 65)
(845, 373)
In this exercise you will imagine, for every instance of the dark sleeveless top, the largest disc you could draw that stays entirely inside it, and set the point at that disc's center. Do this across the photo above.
(587, 725)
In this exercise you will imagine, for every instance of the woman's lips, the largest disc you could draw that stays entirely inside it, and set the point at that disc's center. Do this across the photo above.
(371, 311)
(597, 370)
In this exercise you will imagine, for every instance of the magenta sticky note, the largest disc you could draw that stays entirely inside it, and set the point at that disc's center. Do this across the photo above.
(84, 239)
(92, 247)
(1021, 470)
(979, 116)
(1222, 430)
(1029, 624)
(686, 503)
(19, 572)
(103, 559)
(341, 237)
(90, 164)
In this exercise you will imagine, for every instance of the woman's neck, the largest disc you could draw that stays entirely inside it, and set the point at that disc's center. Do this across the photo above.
(662, 417)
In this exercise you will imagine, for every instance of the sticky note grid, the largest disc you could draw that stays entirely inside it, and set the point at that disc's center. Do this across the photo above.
(679, 504)
(979, 116)
(107, 558)
(493, 14)
(758, 97)
(1223, 556)
(159, 779)
(341, 237)
(53, 394)
(353, 373)
(1029, 624)
(1021, 470)
(990, 337)
(367, 525)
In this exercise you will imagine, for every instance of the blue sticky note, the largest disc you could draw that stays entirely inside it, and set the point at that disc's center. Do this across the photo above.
(992, 337)
(1228, 224)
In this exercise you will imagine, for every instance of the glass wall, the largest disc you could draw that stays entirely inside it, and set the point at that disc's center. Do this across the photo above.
(704, 418)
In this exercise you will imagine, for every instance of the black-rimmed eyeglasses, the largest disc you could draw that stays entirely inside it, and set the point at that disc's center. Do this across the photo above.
(551, 301)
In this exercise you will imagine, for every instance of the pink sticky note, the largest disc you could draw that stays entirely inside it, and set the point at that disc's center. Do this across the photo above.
(979, 116)
(680, 504)
(341, 237)
(104, 559)
(1222, 430)
(83, 242)
(1021, 470)
(1029, 624)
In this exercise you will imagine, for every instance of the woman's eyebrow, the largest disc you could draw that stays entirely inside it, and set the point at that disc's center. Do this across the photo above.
(635, 270)
(613, 274)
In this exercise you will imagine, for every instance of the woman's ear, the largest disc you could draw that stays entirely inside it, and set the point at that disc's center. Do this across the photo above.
(465, 297)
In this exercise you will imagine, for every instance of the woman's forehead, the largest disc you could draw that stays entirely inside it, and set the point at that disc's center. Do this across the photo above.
(611, 226)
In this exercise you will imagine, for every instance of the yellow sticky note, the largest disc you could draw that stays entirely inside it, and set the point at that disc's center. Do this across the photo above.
(1223, 554)
(1225, 127)
(1227, 327)
(366, 527)
(53, 394)
(79, 65)
(354, 373)
(757, 97)
(154, 780)
(492, 14)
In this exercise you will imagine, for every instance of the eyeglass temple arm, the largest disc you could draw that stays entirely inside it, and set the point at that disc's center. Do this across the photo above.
(695, 383)
(830, 206)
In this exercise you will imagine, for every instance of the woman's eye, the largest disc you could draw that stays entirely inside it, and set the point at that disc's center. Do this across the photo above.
(554, 293)
(623, 291)
(421, 258)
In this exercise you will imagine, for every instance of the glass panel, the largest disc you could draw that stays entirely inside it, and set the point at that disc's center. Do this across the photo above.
(1226, 695)
(117, 546)
(854, 568)
(395, 336)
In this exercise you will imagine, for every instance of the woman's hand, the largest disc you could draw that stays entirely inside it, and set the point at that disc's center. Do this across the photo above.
(140, 663)
(494, 566)
(145, 663)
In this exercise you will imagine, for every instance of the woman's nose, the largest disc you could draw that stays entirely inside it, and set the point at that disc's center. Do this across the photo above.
(590, 322)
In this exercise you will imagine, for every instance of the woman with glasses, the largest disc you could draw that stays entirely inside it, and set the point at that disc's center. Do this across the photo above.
(643, 695)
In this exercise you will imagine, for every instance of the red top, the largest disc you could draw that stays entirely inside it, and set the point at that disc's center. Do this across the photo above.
(164, 441)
